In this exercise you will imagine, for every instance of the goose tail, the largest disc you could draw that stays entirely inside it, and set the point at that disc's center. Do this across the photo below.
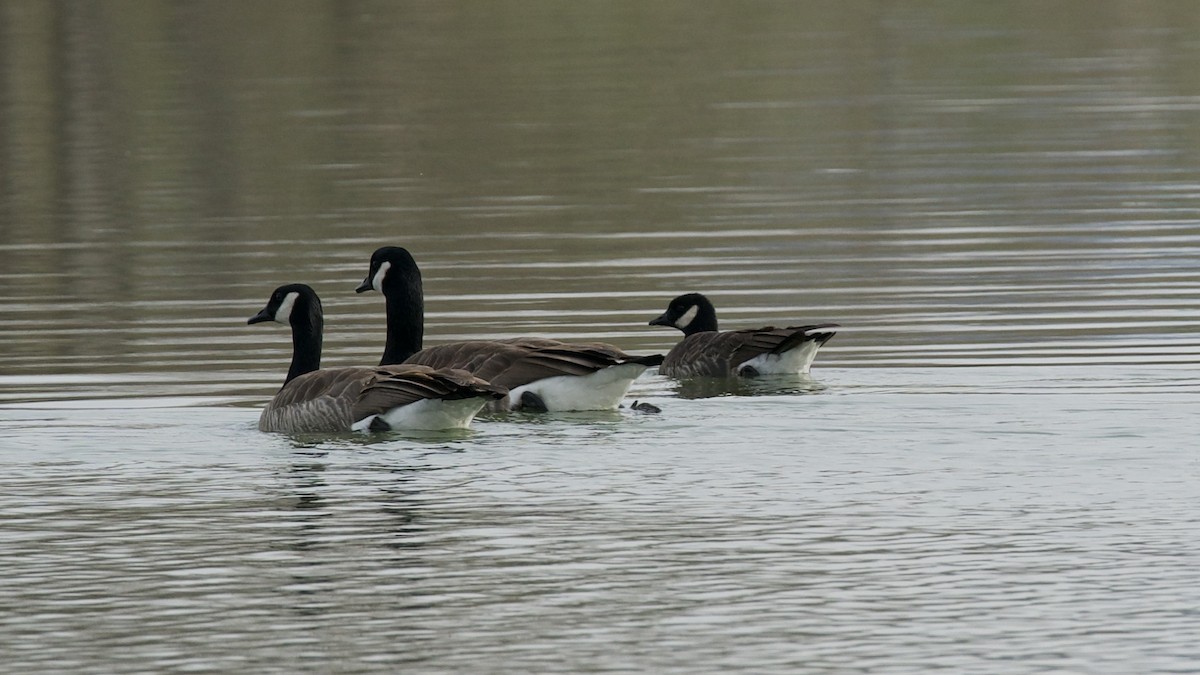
(818, 333)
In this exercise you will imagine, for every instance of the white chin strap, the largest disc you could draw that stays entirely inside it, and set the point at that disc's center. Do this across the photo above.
(284, 313)
(686, 320)
(377, 280)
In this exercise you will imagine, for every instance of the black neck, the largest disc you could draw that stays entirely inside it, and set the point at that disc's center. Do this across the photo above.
(405, 325)
(306, 346)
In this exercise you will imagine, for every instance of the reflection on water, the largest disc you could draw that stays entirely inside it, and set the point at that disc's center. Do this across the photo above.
(988, 471)
(708, 387)
(890, 526)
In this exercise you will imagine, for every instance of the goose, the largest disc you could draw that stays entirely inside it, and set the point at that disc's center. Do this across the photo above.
(705, 351)
(313, 399)
(542, 375)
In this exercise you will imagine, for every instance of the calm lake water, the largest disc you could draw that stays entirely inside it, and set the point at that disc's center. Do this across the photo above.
(992, 470)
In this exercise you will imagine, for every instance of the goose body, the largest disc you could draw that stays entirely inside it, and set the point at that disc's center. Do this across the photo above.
(558, 376)
(540, 373)
(707, 351)
(313, 399)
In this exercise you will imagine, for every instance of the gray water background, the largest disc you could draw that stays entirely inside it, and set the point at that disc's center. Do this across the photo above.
(994, 469)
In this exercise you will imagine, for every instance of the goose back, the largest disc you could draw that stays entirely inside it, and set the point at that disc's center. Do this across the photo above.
(567, 376)
(746, 352)
(511, 363)
(320, 400)
(338, 399)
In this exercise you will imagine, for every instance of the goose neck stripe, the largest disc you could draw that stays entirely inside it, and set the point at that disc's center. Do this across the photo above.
(284, 313)
(686, 319)
(377, 280)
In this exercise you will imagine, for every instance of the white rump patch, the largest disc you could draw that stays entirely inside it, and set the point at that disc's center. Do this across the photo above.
(792, 362)
(284, 313)
(377, 280)
(601, 390)
(429, 414)
(687, 318)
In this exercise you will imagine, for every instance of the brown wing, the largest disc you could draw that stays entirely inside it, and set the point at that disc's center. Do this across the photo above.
(546, 362)
(713, 354)
(399, 385)
(517, 361)
(332, 400)
(704, 354)
(772, 340)
(485, 359)
(315, 402)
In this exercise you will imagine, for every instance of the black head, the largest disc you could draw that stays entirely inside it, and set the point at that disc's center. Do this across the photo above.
(391, 267)
(289, 304)
(690, 313)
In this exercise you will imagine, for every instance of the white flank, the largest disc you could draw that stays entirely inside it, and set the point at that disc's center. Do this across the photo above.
(435, 413)
(792, 362)
(284, 313)
(362, 425)
(377, 280)
(601, 390)
(686, 319)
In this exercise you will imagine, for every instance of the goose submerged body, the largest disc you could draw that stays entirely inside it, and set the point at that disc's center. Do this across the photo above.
(316, 400)
(706, 351)
(541, 374)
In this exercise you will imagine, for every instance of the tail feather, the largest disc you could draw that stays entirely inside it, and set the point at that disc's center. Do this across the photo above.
(648, 360)
(820, 333)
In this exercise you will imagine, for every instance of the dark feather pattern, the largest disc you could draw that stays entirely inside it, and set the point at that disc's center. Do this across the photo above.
(515, 362)
(332, 400)
(393, 386)
(719, 354)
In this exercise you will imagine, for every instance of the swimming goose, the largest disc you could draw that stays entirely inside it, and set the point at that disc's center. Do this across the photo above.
(704, 351)
(345, 399)
(540, 374)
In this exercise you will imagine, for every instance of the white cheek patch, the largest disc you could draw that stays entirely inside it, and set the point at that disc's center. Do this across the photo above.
(284, 313)
(377, 280)
(685, 320)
